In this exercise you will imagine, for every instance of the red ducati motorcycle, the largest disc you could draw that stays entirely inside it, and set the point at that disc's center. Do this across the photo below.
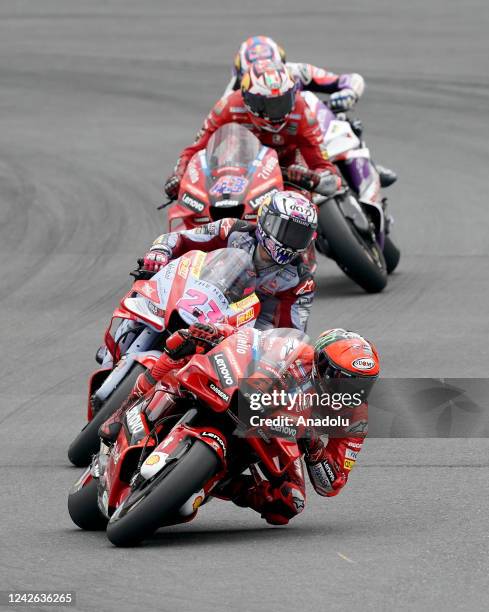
(207, 287)
(230, 178)
(181, 444)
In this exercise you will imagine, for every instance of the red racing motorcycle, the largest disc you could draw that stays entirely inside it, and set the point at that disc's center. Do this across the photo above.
(182, 443)
(230, 178)
(217, 287)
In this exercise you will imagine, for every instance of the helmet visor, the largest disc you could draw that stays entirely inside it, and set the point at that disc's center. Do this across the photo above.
(275, 109)
(331, 379)
(287, 232)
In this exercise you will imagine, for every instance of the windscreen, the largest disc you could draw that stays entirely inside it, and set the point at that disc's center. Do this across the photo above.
(232, 145)
(232, 271)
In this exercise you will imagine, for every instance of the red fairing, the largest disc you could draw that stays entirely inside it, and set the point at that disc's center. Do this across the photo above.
(210, 435)
(199, 199)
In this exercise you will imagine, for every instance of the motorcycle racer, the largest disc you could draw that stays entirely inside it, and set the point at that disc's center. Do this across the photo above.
(286, 224)
(344, 89)
(336, 354)
(267, 105)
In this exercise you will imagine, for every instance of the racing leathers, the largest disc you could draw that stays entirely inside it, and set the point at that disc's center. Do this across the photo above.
(277, 501)
(286, 291)
(301, 133)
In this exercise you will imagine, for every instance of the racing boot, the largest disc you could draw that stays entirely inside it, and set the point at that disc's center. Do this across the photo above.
(387, 176)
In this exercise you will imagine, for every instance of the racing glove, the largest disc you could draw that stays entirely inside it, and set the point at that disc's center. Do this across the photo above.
(172, 186)
(154, 260)
(325, 183)
(342, 100)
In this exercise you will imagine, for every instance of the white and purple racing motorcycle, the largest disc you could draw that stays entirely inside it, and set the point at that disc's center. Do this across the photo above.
(353, 225)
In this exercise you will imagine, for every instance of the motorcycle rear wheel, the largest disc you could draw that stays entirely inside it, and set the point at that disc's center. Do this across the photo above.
(148, 508)
(87, 442)
(359, 259)
(84, 510)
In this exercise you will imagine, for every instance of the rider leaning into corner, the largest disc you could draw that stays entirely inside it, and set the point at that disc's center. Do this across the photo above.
(334, 356)
(344, 89)
(286, 224)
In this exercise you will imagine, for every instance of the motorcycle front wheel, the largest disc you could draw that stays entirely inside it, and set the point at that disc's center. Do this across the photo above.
(360, 259)
(87, 442)
(149, 506)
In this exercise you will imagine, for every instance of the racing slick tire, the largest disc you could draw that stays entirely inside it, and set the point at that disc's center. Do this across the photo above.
(87, 442)
(360, 259)
(392, 255)
(83, 508)
(149, 506)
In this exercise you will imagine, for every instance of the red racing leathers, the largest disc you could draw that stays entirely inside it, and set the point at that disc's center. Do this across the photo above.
(301, 133)
(328, 465)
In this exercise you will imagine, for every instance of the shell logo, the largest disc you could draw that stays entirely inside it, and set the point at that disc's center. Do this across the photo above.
(152, 460)
(197, 502)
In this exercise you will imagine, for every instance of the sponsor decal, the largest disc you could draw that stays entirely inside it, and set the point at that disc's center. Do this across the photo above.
(223, 370)
(257, 202)
(306, 287)
(193, 171)
(183, 267)
(364, 363)
(246, 302)
(245, 317)
(224, 396)
(278, 139)
(268, 168)
(134, 420)
(348, 464)
(229, 184)
(349, 454)
(152, 460)
(192, 203)
(250, 217)
(159, 312)
(197, 502)
(216, 438)
(242, 344)
(238, 109)
(198, 264)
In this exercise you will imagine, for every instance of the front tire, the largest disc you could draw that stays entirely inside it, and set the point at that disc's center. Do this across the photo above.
(146, 509)
(362, 261)
(87, 442)
(84, 510)
(392, 255)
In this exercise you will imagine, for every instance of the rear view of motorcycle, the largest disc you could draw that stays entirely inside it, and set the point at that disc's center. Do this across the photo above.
(354, 228)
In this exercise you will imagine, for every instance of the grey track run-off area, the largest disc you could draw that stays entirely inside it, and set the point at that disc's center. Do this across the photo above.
(96, 100)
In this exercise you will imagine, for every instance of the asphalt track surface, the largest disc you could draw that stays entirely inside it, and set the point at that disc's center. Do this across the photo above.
(96, 100)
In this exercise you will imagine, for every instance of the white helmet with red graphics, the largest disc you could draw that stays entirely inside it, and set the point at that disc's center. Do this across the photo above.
(286, 224)
(256, 48)
(269, 94)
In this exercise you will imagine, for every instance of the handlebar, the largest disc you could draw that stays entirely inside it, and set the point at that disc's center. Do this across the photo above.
(139, 273)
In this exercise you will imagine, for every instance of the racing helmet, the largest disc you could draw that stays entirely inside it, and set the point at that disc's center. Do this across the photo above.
(269, 94)
(342, 354)
(286, 224)
(254, 49)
